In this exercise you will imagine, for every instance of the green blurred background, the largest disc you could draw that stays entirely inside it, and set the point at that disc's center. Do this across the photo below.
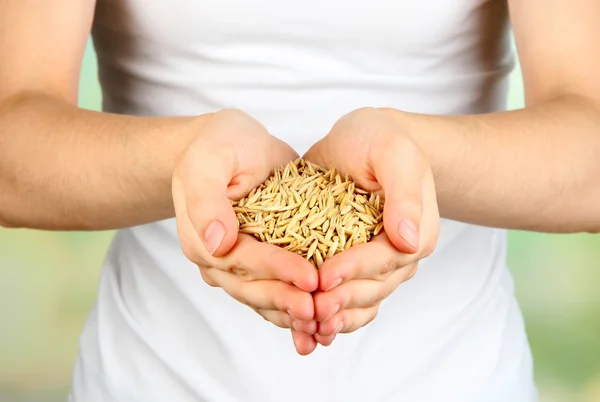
(48, 284)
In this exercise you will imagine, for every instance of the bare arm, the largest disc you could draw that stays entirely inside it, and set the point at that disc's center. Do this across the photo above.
(62, 167)
(537, 168)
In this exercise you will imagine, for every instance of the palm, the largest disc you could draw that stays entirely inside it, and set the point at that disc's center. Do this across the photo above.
(370, 147)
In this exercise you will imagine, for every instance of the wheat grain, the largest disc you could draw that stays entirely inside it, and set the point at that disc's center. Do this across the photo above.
(309, 210)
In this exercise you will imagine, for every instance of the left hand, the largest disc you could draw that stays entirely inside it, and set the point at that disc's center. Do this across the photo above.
(374, 150)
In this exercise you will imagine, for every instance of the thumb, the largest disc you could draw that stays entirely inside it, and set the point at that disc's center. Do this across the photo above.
(402, 182)
(209, 207)
(214, 219)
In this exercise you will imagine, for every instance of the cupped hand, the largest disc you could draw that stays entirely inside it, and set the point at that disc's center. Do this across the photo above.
(372, 147)
(232, 154)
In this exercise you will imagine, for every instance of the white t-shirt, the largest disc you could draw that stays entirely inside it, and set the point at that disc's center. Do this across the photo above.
(453, 333)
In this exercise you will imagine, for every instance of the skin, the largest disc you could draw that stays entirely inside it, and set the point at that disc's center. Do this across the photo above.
(352, 284)
(64, 168)
(233, 154)
(550, 150)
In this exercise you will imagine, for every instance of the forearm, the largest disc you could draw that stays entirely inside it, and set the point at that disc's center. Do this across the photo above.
(532, 169)
(65, 168)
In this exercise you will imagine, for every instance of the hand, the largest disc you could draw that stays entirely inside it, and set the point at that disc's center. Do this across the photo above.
(373, 149)
(232, 154)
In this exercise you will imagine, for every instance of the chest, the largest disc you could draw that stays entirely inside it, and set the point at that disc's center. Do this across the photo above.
(376, 34)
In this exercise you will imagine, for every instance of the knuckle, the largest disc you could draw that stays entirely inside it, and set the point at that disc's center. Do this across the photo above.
(284, 300)
(191, 253)
(329, 328)
(231, 267)
(230, 112)
(361, 319)
(227, 266)
(411, 274)
(364, 112)
(204, 272)
(372, 315)
(235, 266)
(238, 293)
(271, 318)
(279, 324)
(380, 295)
(388, 267)
(350, 299)
(261, 313)
(241, 272)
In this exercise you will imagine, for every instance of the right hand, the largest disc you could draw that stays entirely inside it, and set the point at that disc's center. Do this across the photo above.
(232, 154)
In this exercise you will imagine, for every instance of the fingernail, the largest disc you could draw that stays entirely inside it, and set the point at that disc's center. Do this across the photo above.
(335, 310)
(408, 230)
(339, 328)
(213, 236)
(295, 326)
(334, 284)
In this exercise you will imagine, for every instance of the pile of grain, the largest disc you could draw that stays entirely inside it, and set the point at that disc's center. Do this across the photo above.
(310, 211)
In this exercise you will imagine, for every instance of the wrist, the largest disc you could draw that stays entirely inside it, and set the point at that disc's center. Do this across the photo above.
(439, 137)
(411, 126)
(183, 136)
(169, 141)
(157, 150)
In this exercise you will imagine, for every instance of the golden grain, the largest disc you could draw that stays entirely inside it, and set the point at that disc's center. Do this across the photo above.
(309, 210)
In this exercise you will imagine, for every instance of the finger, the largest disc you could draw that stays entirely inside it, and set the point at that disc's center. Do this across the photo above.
(188, 237)
(205, 273)
(399, 167)
(376, 259)
(284, 320)
(216, 168)
(258, 261)
(359, 293)
(207, 203)
(304, 344)
(266, 295)
(348, 321)
(207, 170)
(325, 340)
(279, 318)
(306, 327)
(373, 260)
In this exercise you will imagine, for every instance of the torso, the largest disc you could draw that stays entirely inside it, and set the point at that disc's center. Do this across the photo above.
(453, 333)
